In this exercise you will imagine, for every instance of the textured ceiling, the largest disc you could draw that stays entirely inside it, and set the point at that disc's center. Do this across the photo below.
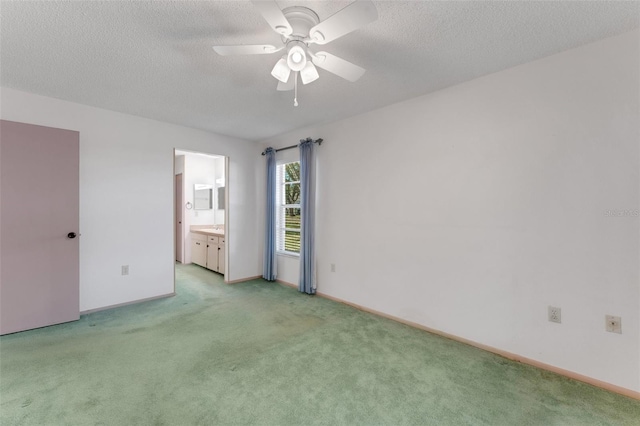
(154, 58)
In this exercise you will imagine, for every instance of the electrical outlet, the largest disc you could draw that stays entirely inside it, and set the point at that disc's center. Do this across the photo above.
(613, 324)
(555, 314)
(125, 269)
(333, 267)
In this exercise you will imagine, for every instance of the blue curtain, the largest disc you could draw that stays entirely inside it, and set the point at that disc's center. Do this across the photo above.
(307, 282)
(269, 269)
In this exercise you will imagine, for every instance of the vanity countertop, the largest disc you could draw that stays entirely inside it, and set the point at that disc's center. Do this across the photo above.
(210, 231)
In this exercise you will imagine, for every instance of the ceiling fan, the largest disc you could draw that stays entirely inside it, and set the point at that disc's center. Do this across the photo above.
(300, 28)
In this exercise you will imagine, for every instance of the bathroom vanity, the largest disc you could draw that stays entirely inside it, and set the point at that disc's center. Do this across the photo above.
(207, 248)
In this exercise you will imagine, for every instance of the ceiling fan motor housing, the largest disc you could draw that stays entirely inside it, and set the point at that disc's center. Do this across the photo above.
(301, 19)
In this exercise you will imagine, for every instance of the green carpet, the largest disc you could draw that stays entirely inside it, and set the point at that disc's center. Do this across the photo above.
(261, 353)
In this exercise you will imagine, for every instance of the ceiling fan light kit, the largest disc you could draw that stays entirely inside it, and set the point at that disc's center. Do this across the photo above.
(297, 56)
(281, 70)
(300, 27)
(309, 73)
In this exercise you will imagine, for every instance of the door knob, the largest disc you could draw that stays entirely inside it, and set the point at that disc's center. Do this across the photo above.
(71, 235)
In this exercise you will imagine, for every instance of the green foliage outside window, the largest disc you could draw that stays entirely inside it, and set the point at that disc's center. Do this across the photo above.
(292, 214)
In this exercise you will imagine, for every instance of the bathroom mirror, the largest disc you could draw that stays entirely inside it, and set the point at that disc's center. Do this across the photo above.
(221, 198)
(202, 196)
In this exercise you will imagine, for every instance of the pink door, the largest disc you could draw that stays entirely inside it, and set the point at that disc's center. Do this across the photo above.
(39, 248)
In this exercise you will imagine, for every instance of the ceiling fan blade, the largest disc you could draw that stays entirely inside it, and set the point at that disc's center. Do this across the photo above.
(337, 66)
(284, 87)
(273, 15)
(246, 49)
(352, 17)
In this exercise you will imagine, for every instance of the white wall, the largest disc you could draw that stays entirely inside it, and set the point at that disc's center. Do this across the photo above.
(126, 196)
(472, 209)
(179, 165)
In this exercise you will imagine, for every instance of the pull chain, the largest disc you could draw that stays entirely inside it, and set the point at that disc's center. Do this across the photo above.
(295, 87)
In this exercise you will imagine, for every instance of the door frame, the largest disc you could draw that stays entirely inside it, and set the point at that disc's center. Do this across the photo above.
(179, 247)
(226, 219)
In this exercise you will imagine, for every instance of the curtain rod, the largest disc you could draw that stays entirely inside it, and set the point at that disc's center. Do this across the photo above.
(318, 141)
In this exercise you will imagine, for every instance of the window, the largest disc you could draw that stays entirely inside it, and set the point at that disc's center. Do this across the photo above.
(288, 204)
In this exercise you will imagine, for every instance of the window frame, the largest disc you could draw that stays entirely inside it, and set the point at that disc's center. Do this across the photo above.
(281, 207)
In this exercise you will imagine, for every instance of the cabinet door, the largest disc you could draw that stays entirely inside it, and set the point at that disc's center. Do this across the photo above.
(221, 257)
(199, 252)
(212, 256)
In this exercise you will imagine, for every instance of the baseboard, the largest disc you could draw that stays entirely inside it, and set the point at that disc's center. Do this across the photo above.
(293, 286)
(514, 357)
(241, 280)
(134, 302)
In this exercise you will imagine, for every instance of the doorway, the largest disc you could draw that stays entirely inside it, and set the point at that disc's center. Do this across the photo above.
(201, 210)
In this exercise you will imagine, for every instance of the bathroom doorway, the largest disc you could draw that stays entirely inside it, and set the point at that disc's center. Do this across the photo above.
(201, 210)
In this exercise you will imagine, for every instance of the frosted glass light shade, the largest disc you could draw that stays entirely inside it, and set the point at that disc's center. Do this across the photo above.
(309, 73)
(297, 58)
(281, 71)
